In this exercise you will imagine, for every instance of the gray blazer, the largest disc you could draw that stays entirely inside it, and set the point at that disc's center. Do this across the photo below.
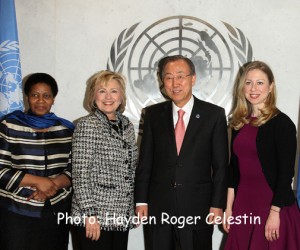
(104, 163)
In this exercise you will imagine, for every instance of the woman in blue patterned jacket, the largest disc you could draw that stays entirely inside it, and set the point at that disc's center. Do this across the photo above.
(104, 161)
(35, 171)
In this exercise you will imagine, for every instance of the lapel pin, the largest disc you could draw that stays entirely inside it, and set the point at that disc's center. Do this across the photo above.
(197, 116)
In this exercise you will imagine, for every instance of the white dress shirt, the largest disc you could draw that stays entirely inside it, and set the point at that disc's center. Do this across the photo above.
(187, 108)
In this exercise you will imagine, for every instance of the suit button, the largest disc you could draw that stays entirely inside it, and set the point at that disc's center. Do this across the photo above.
(173, 184)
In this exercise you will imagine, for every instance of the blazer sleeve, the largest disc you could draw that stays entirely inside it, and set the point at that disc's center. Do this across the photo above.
(144, 168)
(10, 177)
(220, 161)
(233, 169)
(82, 156)
(286, 145)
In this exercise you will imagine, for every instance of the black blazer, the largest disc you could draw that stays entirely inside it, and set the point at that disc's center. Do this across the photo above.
(200, 170)
(276, 145)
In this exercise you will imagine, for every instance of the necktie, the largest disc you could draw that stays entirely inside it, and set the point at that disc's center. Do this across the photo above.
(179, 130)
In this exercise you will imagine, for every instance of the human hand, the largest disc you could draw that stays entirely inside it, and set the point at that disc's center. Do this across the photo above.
(46, 186)
(142, 212)
(38, 196)
(61, 181)
(215, 215)
(226, 225)
(272, 226)
(92, 228)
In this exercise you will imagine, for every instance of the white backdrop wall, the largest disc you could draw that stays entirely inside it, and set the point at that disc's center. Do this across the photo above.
(72, 39)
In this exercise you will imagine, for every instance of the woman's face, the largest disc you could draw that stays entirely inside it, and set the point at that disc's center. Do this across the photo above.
(108, 98)
(40, 99)
(257, 87)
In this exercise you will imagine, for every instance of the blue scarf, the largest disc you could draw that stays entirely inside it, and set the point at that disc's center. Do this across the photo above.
(39, 122)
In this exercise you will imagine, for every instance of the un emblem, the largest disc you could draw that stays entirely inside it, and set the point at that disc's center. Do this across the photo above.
(216, 53)
(10, 78)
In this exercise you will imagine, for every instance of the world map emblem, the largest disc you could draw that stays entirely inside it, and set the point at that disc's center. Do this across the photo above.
(217, 53)
(10, 78)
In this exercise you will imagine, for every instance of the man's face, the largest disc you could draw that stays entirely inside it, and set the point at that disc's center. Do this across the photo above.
(178, 82)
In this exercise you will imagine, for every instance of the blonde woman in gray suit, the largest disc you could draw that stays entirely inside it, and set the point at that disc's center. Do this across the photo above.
(104, 162)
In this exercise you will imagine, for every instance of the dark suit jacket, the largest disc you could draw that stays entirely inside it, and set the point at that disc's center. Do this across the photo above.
(200, 170)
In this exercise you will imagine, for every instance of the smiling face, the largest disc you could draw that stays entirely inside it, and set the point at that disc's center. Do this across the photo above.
(257, 88)
(40, 99)
(108, 98)
(178, 82)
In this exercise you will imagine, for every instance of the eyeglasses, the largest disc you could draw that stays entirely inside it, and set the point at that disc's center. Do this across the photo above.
(178, 78)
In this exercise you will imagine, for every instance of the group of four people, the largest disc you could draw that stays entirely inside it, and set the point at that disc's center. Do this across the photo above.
(179, 184)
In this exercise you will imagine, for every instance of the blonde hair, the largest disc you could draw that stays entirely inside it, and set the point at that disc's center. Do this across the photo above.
(241, 108)
(103, 77)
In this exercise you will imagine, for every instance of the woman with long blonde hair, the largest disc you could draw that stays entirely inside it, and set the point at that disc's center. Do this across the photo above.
(261, 209)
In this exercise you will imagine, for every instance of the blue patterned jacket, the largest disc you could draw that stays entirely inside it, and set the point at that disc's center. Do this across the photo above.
(22, 151)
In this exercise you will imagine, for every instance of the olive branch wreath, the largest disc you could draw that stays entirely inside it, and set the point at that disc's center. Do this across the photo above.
(119, 49)
(9, 45)
(242, 46)
(116, 62)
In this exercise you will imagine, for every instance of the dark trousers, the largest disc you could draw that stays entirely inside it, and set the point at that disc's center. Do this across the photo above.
(109, 240)
(18, 232)
(168, 237)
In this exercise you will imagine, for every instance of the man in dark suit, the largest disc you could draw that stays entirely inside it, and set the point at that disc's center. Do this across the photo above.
(181, 179)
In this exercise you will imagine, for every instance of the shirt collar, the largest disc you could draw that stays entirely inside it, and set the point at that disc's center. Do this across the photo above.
(187, 108)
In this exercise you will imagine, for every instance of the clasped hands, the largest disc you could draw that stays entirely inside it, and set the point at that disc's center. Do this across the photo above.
(45, 188)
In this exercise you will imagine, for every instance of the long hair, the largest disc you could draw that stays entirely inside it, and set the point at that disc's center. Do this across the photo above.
(104, 77)
(241, 108)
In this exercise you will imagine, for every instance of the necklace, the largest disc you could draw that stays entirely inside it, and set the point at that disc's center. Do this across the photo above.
(116, 125)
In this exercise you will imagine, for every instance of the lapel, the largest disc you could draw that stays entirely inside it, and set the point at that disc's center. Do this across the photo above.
(192, 127)
(168, 125)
